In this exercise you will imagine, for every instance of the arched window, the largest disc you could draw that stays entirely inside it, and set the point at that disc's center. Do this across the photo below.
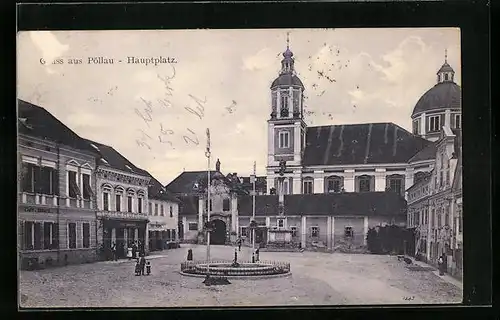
(334, 184)
(395, 183)
(106, 196)
(284, 108)
(308, 185)
(118, 198)
(130, 200)
(140, 200)
(364, 183)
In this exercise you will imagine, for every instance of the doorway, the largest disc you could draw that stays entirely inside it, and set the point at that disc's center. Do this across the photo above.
(218, 236)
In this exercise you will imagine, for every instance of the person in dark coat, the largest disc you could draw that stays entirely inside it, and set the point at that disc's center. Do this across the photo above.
(148, 268)
(134, 250)
(441, 265)
(143, 264)
(137, 268)
(257, 258)
(190, 255)
(113, 252)
(239, 244)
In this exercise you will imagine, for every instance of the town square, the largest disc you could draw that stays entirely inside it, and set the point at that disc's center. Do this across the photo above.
(330, 174)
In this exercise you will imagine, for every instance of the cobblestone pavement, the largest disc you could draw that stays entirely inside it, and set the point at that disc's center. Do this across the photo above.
(317, 279)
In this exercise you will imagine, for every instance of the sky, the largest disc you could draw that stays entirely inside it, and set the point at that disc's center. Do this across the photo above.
(156, 115)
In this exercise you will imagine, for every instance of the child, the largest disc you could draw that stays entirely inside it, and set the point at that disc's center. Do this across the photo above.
(137, 268)
(148, 268)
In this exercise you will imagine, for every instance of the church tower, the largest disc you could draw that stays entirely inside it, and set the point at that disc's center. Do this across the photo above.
(286, 126)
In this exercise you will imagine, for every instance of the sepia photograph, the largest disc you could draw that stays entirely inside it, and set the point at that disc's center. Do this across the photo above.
(239, 167)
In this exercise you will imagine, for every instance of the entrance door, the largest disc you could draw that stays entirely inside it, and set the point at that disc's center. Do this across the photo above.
(218, 236)
(120, 242)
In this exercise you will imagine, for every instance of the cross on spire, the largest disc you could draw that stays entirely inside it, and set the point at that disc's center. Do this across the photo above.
(445, 55)
(287, 40)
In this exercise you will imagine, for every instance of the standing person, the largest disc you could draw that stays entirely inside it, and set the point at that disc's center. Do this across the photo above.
(257, 258)
(440, 265)
(129, 252)
(190, 255)
(134, 250)
(137, 268)
(143, 264)
(148, 268)
(239, 244)
(113, 251)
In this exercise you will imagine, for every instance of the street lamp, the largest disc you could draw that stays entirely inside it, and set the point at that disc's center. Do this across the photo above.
(253, 204)
(207, 154)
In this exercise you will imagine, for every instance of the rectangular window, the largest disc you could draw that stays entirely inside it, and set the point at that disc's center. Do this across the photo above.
(129, 203)
(105, 201)
(285, 187)
(169, 235)
(72, 235)
(118, 203)
(308, 187)
(225, 205)
(193, 226)
(150, 208)
(47, 235)
(281, 223)
(457, 121)
(243, 232)
(173, 234)
(87, 189)
(156, 209)
(162, 210)
(314, 232)
(171, 212)
(348, 232)
(139, 205)
(27, 177)
(86, 235)
(284, 104)
(284, 139)
(294, 231)
(416, 126)
(55, 235)
(434, 123)
(28, 235)
(46, 181)
(38, 236)
(74, 191)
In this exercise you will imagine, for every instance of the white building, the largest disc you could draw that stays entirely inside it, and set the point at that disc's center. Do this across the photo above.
(163, 211)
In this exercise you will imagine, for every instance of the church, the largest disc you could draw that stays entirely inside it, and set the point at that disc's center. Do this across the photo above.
(337, 181)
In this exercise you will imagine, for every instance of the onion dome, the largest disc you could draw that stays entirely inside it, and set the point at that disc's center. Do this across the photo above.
(287, 76)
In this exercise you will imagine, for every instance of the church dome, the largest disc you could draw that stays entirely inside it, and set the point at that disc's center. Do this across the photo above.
(287, 80)
(444, 95)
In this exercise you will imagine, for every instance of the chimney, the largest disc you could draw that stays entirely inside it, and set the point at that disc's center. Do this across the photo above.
(217, 165)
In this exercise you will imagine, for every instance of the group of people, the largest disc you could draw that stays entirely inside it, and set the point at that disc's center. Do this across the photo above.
(135, 249)
(142, 264)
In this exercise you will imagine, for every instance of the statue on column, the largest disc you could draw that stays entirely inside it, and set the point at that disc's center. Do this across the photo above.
(217, 165)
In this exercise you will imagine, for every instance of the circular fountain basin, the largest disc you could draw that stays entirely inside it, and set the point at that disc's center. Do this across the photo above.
(242, 271)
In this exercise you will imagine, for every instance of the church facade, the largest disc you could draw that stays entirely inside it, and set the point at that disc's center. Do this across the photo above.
(339, 180)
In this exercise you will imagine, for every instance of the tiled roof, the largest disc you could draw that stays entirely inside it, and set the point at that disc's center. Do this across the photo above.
(157, 191)
(37, 122)
(114, 159)
(184, 184)
(188, 205)
(428, 153)
(287, 79)
(348, 204)
(369, 143)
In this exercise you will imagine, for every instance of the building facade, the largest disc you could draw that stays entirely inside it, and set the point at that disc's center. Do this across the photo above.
(122, 197)
(163, 211)
(57, 205)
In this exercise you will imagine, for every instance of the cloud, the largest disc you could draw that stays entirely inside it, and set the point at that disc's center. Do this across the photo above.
(261, 60)
(49, 46)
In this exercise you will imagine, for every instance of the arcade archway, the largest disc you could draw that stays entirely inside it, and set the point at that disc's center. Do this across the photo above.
(218, 236)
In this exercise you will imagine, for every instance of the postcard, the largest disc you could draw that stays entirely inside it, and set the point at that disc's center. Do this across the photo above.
(223, 168)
